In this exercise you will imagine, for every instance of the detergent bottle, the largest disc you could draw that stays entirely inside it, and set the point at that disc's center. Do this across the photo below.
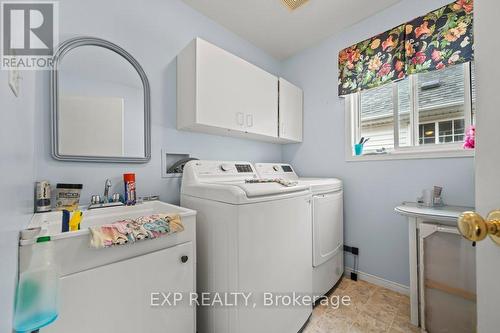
(37, 292)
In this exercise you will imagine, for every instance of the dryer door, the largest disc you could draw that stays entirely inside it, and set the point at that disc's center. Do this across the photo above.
(328, 222)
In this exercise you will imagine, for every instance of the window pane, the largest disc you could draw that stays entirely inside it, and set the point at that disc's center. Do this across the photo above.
(404, 107)
(440, 100)
(445, 131)
(377, 118)
(458, 130)
(426, 133)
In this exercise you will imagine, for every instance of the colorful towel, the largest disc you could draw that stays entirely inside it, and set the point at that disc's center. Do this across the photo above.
(281, 181)
(132, 230)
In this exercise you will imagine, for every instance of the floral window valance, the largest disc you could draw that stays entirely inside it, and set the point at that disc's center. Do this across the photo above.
(434, 41)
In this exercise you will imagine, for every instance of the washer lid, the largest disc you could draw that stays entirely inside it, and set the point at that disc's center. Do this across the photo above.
(253, 190)
(244, 193)
(322, 184)
(225, 181)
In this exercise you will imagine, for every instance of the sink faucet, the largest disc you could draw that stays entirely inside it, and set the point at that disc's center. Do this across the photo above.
(107, 186)
(105, 200)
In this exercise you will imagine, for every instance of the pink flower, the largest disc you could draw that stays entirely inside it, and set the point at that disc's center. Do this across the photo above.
(470, 138)
(384, 70)
(440, 65)
(467, 5)
(418, 58)
(401, 75)
(436, 55)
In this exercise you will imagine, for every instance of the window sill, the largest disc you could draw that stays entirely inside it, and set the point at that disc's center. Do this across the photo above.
(412, 154)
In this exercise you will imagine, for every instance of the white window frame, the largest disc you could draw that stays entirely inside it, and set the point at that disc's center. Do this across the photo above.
(415, 151)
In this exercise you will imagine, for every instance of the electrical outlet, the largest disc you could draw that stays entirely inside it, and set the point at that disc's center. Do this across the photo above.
(14, 78)
(351, 249)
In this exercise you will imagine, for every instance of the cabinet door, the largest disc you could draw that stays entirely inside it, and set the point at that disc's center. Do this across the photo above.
(290, 111)
(230, 89)
(117, 297)
(447, 280)
(328, 223)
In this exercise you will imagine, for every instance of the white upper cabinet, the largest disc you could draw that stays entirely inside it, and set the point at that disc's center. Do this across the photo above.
(220, 93)
(291, 102)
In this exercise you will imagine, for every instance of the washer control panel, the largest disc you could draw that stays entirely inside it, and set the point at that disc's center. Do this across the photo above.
(243, 168)
(222, 170)
(275, 170)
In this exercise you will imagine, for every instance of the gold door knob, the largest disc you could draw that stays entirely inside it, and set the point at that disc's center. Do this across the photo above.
(473, 227)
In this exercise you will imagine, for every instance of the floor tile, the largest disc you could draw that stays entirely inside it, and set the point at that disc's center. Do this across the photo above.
(372, 309)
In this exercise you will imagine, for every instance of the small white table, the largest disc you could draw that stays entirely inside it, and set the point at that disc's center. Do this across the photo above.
(446, 215)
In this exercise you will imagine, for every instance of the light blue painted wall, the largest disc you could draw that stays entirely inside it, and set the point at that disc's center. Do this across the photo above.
(17, 173)
(154, 32)
(372, 188)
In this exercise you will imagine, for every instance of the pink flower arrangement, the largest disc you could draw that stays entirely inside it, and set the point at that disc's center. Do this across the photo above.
(470, 138)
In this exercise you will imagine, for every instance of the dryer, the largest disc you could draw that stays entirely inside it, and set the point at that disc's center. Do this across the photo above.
(251, 237)
(327, 223)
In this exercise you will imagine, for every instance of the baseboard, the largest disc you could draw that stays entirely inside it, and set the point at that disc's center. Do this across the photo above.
(394, 286)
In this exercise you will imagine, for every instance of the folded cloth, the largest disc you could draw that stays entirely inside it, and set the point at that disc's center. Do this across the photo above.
(281, 181)
(162, 224)
(100, 237)
(175, 224)
(137, 231)
(132, 230)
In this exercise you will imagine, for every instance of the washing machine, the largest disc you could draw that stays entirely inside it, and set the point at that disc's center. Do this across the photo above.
(327, 223)
(252, 237)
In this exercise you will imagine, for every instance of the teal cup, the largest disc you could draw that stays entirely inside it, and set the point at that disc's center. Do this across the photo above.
(358, 149)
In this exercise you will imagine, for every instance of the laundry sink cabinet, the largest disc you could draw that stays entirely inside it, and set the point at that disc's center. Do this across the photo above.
(118, 289)
(220, 93)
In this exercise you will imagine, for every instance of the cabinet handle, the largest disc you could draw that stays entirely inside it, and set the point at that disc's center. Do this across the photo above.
(240, 118)
(184, 259)
(249, 120)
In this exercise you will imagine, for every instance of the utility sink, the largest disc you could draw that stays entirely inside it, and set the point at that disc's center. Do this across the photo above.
(72, 249)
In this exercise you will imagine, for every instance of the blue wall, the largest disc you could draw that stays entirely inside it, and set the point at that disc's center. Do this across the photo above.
(17, 173)
(372, 188)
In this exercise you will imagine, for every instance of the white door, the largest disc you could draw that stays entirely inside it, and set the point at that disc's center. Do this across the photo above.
(233, 93)
(290, 111)
(487, 169)
(327, 226)
(117, 297)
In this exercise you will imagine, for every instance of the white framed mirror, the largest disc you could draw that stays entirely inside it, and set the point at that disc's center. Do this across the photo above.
(100, 104)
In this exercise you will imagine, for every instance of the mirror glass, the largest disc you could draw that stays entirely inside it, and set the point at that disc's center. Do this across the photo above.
(100, 107)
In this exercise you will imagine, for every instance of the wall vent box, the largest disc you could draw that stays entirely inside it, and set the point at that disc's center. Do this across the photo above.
(167, 160)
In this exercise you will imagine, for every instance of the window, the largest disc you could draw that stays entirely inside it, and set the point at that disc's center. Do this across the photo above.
(426, 112)
(448, 131)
